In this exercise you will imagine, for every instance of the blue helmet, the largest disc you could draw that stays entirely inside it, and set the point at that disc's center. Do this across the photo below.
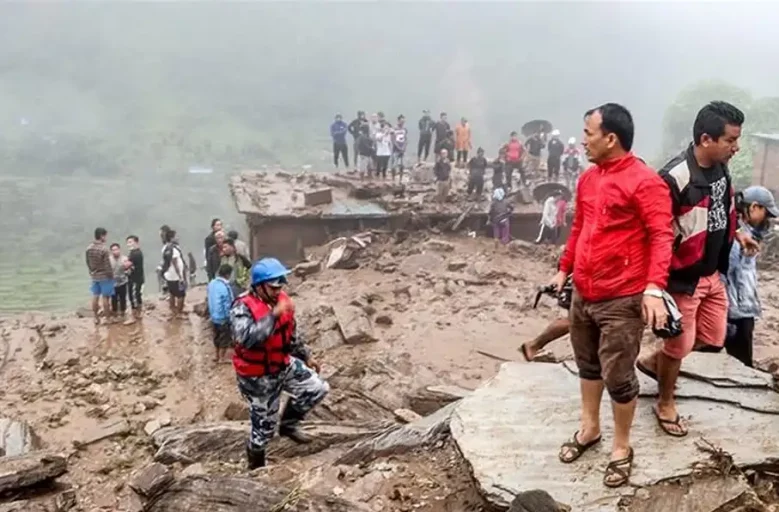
(268, 269)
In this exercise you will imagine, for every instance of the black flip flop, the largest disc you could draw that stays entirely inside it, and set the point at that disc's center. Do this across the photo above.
(675, 422)
(614, 468)
(646, 371)
(577, 448)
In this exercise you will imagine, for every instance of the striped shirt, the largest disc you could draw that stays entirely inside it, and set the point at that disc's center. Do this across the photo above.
(99, 261)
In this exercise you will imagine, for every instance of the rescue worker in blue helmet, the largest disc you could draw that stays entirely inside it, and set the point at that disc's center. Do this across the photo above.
(270, 357)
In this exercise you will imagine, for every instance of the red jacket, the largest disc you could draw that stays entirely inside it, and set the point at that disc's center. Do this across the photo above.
(621, 237)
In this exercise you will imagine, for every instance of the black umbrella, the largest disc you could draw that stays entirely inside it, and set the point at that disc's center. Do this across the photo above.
(536, 126)
(544, 190)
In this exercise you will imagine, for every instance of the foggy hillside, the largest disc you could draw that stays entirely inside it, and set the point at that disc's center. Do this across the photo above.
(104, 106)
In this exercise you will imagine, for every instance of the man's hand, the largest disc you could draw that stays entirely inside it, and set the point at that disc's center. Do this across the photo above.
(748, 244)
(558, 281)
(653, 310)
(313, 364)
(283, 306)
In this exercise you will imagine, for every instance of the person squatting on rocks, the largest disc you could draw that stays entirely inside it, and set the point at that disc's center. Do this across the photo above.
(399, 142)
(121, 266)
(443, 176)
(220, 300)
(555, 150)
(137, 276)
(426, 128)
(500, 217)
(98, 258)
(462, 142)
(704, 224)
(755, 207)
(477, 167)
(619, 251)
(270, 357)
(338, 131)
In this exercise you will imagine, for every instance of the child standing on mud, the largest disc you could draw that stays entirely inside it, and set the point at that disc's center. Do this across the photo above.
(120, 265)
(755, 206)
(499, 217)
(220, 300)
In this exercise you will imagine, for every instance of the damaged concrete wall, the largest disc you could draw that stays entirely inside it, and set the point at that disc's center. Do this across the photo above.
(286, 237)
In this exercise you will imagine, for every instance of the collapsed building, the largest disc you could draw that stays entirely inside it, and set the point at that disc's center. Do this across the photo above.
(287, 212)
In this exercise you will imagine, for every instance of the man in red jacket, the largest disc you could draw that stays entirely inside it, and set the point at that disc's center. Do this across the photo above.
(619, 251)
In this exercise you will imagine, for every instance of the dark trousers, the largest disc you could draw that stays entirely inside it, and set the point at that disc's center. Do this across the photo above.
(476, 184)
(738, 342)
(382, 162)
(134, 290)
(553, 168)
(462, 156)
(340, 149)
(424, 146)
(119, 299)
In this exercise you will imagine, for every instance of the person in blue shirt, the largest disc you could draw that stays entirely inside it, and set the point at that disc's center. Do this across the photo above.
(220, 300)
(755, 207)
(338, 131)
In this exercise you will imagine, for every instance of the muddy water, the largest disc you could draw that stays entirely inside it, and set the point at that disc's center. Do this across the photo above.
(47, 224)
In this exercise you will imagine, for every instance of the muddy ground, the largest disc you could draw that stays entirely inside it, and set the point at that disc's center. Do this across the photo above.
(421, 306)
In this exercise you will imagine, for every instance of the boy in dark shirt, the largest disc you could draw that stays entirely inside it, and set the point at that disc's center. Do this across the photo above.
(476, 169)
(136, 276)
(498, 170)
(443, 171)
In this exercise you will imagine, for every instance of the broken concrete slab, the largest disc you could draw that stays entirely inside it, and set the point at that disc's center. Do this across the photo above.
(307, 268)
(16, 437)
(317, 197)
(724, 371)
(420, 264)
(699, 494)
(355, 325)
(151, 480)
(496, 430)
(227, 441)
(230, 494)
(33, 468)
(401, 438)
(102, 431)
(428, 400)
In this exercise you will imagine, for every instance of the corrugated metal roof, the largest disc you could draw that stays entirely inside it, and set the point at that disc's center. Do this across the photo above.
(767, 136)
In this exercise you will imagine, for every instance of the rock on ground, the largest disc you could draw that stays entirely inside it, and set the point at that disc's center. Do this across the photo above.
(16, 437)
(226, 494)
(401, 438)
(151, 480)
(355, 325)
(496, 429)
(33, 468)
(534, 501)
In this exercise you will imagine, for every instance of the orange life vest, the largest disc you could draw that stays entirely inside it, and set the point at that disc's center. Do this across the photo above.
(273, 355)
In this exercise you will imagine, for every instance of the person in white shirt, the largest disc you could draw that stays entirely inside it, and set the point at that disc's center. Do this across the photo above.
(383, 150)
(549, 220)
(174, 271)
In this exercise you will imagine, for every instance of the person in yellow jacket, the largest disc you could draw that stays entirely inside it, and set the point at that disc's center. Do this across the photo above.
(462, 142)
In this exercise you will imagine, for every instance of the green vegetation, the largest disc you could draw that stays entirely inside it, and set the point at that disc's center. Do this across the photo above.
(762, 116)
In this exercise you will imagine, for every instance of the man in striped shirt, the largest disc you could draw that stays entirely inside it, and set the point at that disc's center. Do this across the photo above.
(98, 259)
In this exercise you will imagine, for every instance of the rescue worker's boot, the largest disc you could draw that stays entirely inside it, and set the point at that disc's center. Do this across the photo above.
(288, 426)
(255, 456)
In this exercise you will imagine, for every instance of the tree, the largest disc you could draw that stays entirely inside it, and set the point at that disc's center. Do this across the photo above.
(762, 115)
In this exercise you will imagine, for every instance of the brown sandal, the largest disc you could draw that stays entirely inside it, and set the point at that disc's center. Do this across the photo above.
(614, 468)
(677, 422)
(576, 448)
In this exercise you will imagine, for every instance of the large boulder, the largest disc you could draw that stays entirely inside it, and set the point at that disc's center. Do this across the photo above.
(33, 468)
(202, 493)
(497, 430)
(16, 437)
